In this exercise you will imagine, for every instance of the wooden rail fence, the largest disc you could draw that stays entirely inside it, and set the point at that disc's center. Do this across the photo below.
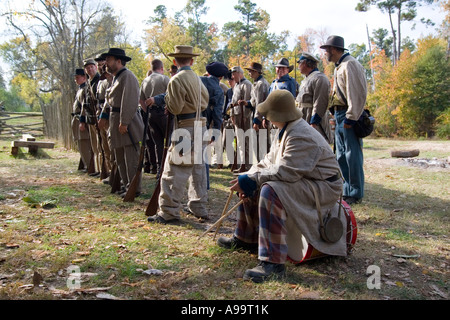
(14, 124)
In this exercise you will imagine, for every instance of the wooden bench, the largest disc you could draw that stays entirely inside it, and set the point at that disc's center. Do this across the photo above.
(28, 141)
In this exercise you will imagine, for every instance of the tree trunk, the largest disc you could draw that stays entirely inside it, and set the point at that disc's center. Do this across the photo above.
(394, 38)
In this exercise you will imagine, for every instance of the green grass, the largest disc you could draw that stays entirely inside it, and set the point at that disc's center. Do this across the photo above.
(404, 212)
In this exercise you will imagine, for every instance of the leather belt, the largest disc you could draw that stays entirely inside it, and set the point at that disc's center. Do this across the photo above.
(185, 116)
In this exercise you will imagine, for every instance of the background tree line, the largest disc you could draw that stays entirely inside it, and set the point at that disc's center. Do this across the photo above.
(409, 94)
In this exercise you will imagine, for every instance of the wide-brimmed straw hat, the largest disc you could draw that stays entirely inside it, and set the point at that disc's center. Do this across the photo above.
(279, 107)
(334, 41)
(182, 51)
(116, 52)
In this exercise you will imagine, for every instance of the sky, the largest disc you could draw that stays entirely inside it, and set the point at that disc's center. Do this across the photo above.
(335, 17)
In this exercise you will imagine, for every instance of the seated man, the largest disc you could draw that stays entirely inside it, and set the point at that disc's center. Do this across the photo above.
(277, 193)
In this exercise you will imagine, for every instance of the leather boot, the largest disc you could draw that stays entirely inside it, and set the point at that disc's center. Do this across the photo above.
(234, 243)
(265, 271)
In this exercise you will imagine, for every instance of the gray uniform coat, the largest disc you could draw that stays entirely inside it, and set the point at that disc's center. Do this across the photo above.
(77, 106)
(123, 94)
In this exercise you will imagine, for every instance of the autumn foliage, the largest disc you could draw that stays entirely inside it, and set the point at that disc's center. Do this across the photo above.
(412, 97)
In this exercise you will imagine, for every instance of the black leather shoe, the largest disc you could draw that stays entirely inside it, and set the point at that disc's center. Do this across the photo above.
(351, 200)
(234, 243)
(161, 220)
(136, 195)
(265, 271)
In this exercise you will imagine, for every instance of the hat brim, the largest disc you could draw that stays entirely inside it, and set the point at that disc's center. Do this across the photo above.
(124, 58)
(328, 45)
(183, 55)
(272, 114)
(281, 66)
(251, 69)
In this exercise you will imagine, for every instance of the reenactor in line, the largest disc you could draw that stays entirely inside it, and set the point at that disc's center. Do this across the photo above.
(150, 163)
(227, 124)
(259, 94)
(186, 99)
(213, 113)
(241, 116)
(155, 84)
(81, 137)
(126, 126)
(103, 84)
(313, 96)
(283, 80)
(89, 111)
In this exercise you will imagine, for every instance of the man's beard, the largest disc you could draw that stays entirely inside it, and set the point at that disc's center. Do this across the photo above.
(110, 70)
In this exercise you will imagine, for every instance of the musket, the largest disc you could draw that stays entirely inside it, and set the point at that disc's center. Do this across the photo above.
(152, 207)
(131, 192)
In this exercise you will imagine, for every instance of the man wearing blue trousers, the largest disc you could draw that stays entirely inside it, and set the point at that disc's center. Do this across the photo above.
(348, 100)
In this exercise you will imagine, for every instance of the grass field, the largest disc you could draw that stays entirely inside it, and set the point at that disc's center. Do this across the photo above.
(56, 222)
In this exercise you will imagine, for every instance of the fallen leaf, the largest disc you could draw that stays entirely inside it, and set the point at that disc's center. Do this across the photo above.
(12, 246)
(78, 260)
(438, 292)
(152, 271)
(106, 296)
(83, 253)
(312, 295)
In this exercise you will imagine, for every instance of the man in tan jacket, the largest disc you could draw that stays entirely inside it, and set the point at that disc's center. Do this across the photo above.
(279, 191)
(186, 99)
(348, 102)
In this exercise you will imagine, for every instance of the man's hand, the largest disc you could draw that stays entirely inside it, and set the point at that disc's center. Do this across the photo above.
(149, 102)
(82, 126)
(242, 103)
(235, 187)
(123, 128)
